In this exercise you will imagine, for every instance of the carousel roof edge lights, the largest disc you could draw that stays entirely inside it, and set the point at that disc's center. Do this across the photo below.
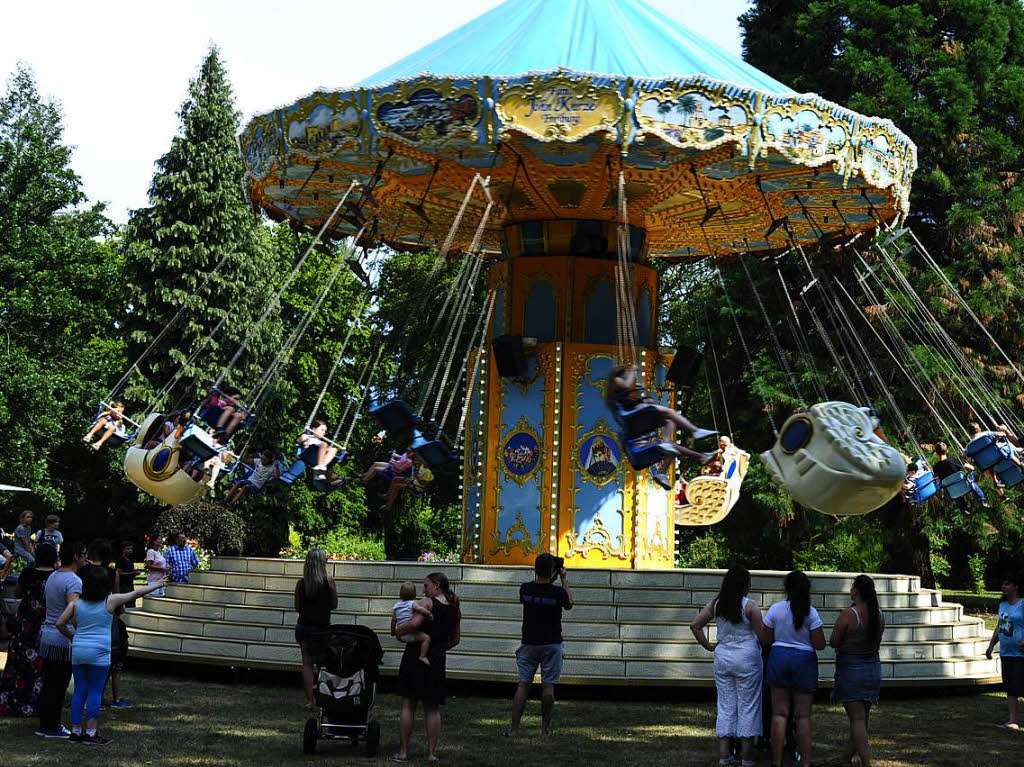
(710, 167)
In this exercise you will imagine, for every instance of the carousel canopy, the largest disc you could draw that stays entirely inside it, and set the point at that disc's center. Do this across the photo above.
(612, 37)
(554, 101)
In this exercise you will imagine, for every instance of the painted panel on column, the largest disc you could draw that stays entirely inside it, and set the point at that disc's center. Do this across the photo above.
(599, 530)
(599, 317)
(521, 466)
(540, 310)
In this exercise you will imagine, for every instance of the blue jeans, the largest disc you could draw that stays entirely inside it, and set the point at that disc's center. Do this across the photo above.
(89, 683)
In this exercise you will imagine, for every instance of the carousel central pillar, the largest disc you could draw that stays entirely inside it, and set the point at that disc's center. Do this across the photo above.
(544, 468)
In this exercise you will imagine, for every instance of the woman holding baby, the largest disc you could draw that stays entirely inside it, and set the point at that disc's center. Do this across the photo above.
(425, 680)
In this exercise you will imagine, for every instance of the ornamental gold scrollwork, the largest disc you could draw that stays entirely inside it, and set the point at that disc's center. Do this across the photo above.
(710, 498)
(559, 108)
(323, 123)
(597, 538)
(170, 466)
(806, 135)
(688, 116)
(435, 112)
(597, 455)
(509, 542)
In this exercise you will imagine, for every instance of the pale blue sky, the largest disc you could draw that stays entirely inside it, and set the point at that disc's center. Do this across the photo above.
(121, 69)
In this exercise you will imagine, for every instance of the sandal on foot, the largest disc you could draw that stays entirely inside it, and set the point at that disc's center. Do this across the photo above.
(398, 758)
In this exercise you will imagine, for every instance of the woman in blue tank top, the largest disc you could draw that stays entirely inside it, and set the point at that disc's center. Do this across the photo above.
(91, 615)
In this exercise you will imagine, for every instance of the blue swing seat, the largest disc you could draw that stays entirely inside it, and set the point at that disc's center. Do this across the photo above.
(638, 421)
(322, 485)
(925, 486)
(433, 452)
(292, 473)
(646, 451)
(986, 450)
(197, 441)
(395, 417)
(1009, 473)
(958, 485)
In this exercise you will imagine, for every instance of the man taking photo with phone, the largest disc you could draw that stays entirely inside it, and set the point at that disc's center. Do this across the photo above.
(542, 602)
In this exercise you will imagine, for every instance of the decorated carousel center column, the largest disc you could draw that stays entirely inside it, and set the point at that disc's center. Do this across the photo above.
(544, 467)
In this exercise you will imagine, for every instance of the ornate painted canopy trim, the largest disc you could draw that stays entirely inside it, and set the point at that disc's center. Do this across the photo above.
(710, 168)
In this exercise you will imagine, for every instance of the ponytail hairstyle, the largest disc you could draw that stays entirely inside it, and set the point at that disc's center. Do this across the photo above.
(441, 581)
(617, 371)
(798, 594)
(866, 588)
(735, 585)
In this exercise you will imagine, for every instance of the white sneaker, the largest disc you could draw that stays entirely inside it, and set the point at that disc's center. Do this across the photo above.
(702, 433)
(320, 467)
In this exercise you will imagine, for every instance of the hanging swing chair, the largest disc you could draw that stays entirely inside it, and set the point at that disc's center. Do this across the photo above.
(830, 460)
(708, 499)
(157, 471)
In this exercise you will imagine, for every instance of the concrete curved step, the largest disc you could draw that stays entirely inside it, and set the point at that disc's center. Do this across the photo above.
(626, 628)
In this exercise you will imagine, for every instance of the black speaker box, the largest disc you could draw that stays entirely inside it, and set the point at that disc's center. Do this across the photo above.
(685, 365)
(510, 357)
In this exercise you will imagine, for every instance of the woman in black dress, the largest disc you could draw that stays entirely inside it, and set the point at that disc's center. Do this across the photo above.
(315, 597)
(23, 674)
(418, 682)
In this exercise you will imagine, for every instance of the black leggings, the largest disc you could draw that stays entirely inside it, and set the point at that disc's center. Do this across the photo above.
(56, 677)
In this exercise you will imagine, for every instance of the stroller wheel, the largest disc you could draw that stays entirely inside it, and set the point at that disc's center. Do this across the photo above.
(309, 736)
(372, 737)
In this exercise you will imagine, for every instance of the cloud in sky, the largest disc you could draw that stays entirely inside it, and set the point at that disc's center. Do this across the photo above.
(121, 69)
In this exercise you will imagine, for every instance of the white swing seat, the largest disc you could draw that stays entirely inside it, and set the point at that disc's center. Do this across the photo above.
(157, 472)
(829, 459)
(709, 499)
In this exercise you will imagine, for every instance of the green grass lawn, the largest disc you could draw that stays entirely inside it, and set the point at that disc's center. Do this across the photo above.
(189, 720)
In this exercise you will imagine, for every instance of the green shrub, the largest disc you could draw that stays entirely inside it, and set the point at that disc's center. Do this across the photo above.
(217, 529)
(976, 567)
(709, 550)
(842, 552)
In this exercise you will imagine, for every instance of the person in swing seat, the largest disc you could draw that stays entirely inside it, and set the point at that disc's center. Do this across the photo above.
(623, 390)
(399, 466)
(419, 477)
(111, 421)
(315, 436)
(173, 421)
(232, 414)
(263, 469)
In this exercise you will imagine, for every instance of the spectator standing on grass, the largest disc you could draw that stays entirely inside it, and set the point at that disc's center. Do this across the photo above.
(156, 563)
(856, 638)
(315, 597)
(22, 677)
(738, 667)
(99, 559)
(542, 602)
(181, 560)
(124, 569)
(794, 630)
(417, 681)
(1009, 633)
(62, 588)
(91, 614)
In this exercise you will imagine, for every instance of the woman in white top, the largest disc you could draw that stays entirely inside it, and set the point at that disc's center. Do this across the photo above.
(156, 565)
(738, 667)
(794, 630)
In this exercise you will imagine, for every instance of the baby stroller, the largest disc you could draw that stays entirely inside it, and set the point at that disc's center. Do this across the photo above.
(346, 667)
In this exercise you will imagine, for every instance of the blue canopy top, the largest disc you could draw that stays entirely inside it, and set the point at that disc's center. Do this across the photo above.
(609, 37)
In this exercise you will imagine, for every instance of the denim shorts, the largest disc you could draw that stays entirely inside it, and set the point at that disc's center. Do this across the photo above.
(547, 656)
(792, 669)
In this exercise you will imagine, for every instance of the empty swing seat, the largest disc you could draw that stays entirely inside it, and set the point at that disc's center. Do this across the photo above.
(395, 417)
(1008, 472)
(292, 473)
(433, 452)
(958, 485)
(198, 442)
(638, 421)
(988, 449)
(925, 486)
(644, 452)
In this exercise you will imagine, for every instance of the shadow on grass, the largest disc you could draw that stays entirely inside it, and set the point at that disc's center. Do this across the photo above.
(209, 721)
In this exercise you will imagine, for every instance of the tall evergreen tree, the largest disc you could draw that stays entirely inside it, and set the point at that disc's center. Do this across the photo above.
(950, 74)
(59, 294)
(197, 217)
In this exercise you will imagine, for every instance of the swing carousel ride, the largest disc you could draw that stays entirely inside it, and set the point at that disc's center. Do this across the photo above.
(564, 147)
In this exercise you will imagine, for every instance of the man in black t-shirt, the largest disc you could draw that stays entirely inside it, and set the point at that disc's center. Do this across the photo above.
(99, 556)
(542, 603)
(124, 569)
